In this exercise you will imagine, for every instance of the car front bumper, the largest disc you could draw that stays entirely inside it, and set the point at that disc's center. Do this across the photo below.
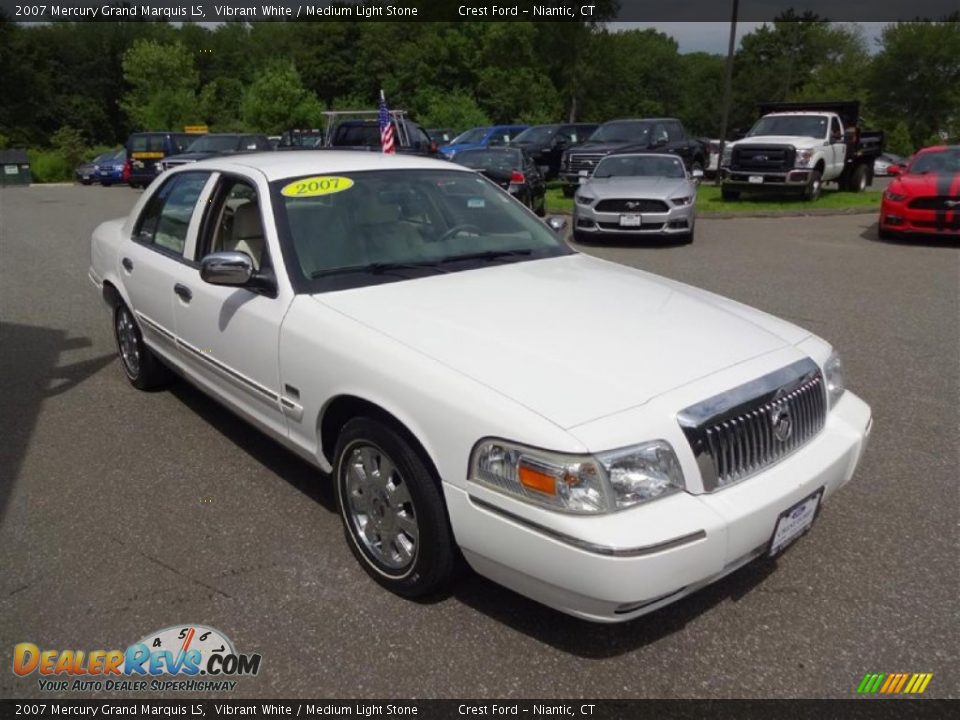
(796, 179)
(677, 220)
(617, 567)
(898, 217)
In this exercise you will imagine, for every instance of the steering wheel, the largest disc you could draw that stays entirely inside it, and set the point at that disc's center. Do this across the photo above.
(457, 229)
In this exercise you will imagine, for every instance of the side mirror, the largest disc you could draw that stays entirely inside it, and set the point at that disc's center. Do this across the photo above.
(557, 224)
(894, 170)
(230, 268)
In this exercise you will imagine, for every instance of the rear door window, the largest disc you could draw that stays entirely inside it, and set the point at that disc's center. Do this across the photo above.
(165, 220)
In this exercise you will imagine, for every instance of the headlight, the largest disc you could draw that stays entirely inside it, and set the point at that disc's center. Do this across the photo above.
(682, 200)
(592, 484)
(584, 199)
(804, 157)
(833, 375)
(895, 196)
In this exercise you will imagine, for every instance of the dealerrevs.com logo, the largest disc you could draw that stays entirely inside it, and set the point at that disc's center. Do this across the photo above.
(187, 657)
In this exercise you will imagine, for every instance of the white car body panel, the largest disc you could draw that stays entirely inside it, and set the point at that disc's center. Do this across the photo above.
(832, 155)
(572, 353)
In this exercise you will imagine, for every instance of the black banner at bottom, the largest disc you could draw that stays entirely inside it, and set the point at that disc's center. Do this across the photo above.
(475, 709)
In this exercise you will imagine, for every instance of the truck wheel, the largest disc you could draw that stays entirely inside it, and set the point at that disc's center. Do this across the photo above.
(812, 191)
(392, 510)
(728, 194)
(569, 190)
(857, 182)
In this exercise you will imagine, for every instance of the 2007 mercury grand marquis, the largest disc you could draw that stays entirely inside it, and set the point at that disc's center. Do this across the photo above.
(595, 437)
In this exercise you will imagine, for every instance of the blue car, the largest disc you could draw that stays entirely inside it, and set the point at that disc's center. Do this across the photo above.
(481, 137)
(110, 167)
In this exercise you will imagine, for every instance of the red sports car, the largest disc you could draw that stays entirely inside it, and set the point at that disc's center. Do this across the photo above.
(924, 197)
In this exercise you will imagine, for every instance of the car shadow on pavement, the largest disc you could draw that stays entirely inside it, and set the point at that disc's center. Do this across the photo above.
(305, 477)
(872, 233)
(29, 374)
(597, 640)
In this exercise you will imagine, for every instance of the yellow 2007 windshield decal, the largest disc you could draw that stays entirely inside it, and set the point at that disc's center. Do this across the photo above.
(314, 186)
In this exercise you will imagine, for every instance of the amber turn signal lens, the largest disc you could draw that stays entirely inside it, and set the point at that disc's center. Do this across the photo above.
(533, 479)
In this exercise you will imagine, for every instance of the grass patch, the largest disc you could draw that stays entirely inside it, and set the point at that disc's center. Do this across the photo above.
(709, 200)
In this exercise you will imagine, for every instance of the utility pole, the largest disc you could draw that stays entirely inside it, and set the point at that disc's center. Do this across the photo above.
(727, 86)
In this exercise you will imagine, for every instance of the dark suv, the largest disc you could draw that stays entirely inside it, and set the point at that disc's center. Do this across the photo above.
(619, 136)
(547, 143)
(147, 150)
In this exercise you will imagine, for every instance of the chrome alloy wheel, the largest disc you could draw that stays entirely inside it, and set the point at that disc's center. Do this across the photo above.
(128, 342)
(379, 506)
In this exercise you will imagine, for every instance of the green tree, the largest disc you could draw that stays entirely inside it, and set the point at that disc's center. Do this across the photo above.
(916, 77)
(456, 109)
(70, 144)
(701, 92)
(163, 84)
(898, 140)
(219, 102)
(277, 100)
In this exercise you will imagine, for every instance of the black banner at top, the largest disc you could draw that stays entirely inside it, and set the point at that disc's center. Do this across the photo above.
(218, 11)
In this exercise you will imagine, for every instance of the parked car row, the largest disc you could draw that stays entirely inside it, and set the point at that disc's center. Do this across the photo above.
(106, 168)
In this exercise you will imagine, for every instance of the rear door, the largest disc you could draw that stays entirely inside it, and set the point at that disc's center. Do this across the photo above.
(838, 148)
(152, 260)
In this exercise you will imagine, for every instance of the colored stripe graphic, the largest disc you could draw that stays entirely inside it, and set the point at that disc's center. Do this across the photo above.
(894, 683)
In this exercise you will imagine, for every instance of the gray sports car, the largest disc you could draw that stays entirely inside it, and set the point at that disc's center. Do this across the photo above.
(637, 195)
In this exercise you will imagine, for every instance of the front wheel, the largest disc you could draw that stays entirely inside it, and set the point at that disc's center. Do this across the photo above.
(392, 509)
(142, 368)
(729, 194)
(569, 190)
(814, 186)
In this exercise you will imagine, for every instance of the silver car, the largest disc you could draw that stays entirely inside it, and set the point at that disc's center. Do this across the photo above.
(637, 195)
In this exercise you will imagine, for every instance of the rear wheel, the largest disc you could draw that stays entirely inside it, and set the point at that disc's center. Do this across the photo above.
(857, 182)
(392, 510)
(142, 368)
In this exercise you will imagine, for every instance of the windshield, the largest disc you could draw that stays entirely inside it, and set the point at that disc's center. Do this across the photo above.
(536, 135)
(814, 126)
(213, 143)
(640, 166)
(470, 136)
(490, 159)
(938, 162)
(621, 131)
(356, 228)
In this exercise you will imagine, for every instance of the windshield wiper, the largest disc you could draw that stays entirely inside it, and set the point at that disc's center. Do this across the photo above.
(379, 268)
(486, 255)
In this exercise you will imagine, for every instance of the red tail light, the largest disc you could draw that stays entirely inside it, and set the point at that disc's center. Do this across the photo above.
(517, 177)
(126, 171)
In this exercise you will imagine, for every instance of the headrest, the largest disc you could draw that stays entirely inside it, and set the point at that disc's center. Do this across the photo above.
(246, 222)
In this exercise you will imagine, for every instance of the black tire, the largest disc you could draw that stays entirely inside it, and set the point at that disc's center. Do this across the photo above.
(811, 192)
(436, 559)
(728, 193)
(146, 372)
(580, 237)
(686, 238)
(569, 190)
(857, 182)
(86, 182)
(541, 209)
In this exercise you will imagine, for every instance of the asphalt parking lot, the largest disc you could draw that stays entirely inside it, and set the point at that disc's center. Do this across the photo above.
(125, 512)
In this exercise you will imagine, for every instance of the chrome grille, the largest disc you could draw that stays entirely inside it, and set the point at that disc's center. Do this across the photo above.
(585, 162)
(748, 429)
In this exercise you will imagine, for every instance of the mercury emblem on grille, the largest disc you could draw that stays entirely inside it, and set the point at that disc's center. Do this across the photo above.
(781, 422)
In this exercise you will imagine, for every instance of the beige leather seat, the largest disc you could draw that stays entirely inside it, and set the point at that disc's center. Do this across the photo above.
(247, 233)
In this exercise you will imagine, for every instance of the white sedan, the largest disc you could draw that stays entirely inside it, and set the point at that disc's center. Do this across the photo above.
(598, 438)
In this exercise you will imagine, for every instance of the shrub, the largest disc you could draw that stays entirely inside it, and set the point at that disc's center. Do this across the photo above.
(49, 166)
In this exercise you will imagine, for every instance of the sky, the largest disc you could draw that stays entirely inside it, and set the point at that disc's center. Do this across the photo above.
(712, 37)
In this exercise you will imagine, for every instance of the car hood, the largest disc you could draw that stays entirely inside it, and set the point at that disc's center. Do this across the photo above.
(645, 187)
(795, 140)
(572, 338)
(598, 148)
(913, 185)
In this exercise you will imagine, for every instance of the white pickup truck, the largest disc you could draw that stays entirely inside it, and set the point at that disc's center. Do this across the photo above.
(798, 147)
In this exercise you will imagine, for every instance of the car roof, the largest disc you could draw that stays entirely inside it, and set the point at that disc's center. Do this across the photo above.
(279, 165)
(802, 112)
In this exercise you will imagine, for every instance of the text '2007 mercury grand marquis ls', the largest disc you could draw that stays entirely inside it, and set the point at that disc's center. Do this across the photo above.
(595, 437)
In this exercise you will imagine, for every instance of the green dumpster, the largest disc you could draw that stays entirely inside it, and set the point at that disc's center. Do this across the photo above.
(14, 168)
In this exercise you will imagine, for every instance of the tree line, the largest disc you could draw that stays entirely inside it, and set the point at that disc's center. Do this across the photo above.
(95, 82)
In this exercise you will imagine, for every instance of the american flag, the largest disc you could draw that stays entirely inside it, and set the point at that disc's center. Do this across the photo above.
(386, 127)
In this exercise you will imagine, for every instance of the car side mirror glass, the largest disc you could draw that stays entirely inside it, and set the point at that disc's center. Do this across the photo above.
(557, 224)
(231, 268)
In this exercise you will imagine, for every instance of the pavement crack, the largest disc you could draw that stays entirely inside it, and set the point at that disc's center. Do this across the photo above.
(18, 590)
(174, 570)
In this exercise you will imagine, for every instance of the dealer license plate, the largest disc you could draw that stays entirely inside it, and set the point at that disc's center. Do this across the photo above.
(630, 221)
(756, 179)
(794, 522)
